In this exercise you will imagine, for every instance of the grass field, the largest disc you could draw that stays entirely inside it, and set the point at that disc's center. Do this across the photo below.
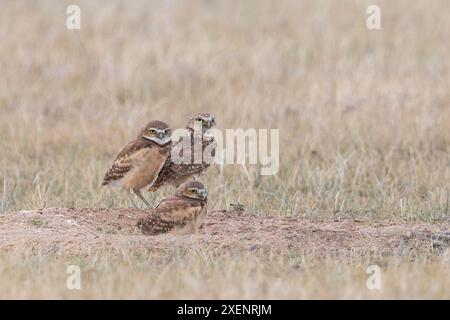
(364, 119)
(197, 275)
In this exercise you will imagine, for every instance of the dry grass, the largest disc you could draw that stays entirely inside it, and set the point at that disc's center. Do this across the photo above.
(364, 120)
(196, 274)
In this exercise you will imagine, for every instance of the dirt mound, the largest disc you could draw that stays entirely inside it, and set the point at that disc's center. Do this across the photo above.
(87, 231)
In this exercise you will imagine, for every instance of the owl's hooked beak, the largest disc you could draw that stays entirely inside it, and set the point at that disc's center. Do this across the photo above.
(203, 194)
(161, 135)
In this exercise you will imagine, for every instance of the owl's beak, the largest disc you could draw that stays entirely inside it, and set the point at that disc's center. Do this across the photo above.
(203, 194)
(160, 134)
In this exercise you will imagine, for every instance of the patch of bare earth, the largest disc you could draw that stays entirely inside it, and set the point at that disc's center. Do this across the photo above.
(86, 231)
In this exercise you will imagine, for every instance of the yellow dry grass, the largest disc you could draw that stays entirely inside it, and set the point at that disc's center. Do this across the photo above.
(364, 119)
(195, 274)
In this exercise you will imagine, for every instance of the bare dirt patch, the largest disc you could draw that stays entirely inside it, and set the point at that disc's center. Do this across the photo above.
(86, 231)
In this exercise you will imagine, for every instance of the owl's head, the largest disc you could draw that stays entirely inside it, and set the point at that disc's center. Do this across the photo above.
(193, 190)
(204, 120)
(158, 132)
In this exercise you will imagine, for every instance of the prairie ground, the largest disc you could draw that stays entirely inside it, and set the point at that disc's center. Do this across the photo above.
(364, 119)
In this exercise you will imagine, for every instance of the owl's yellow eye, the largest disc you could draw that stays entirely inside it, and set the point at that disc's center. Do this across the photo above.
(194, 191)
(152, 131)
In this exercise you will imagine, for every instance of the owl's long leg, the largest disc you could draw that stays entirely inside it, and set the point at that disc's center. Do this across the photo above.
(131, 198)
(139, 194)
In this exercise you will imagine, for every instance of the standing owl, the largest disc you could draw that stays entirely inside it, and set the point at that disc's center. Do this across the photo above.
(138, 163)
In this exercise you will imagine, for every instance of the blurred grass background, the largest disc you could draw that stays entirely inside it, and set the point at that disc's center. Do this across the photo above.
(195, 273)
(364, 119)
(364, 116)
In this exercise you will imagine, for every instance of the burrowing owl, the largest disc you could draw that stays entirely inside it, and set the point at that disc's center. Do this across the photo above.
(177, 173)
(137, 165)
(181, 214)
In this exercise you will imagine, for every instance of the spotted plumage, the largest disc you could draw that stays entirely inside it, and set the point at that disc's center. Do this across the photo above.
(174, 173)
(138, 164)
(181, 214)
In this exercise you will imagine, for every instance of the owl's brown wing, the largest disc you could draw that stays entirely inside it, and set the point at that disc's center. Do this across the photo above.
(176, 173)
(124, 161)
(170, 213)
